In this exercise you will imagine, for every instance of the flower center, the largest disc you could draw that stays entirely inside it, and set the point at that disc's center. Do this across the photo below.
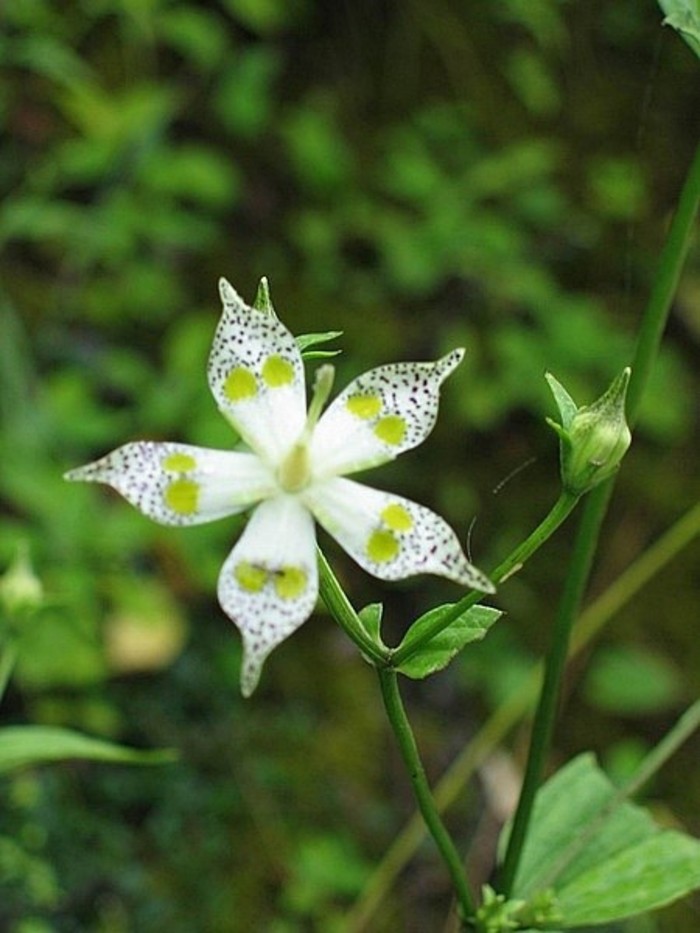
(294, 472)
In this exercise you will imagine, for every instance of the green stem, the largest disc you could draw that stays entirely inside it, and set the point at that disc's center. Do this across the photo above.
(344, 614)
(388, 681)
(559, 512)
(646, 351)
(664, 288)
(545, 714)
(688, 723)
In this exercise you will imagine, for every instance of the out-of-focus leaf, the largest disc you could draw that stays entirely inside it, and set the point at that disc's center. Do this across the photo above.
(265, 17)
(138, 111)
(244, 99)
(684, 17)
(24, 746)
(317, 148)
(193, 173)
(628, 681)
(47, 56)
(199, 35)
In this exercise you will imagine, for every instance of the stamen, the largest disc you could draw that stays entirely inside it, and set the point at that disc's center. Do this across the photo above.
(323, 384)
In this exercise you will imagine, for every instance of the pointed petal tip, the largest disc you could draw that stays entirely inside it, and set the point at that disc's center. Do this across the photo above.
(474, 578)
(247, 689)
(251, 669)
(450, 361)
(82, 474)
(228, 293)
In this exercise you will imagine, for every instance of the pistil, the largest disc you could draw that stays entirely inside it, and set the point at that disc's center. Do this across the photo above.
(295, 470)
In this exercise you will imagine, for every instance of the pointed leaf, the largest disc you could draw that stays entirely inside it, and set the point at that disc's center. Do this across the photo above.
(371, 618)
(306, 341)
(684, 17)
(566, 405)
(436, 654)
(23, 746)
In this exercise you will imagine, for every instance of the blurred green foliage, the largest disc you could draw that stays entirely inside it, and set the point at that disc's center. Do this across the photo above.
(418, 175)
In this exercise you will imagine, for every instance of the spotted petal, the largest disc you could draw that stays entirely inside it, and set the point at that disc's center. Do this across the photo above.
(389, 536)
(257, 377)
(269, 582)
(178, 484)
(379, 415)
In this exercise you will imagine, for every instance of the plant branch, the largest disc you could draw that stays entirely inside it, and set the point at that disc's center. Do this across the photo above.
(388, 681)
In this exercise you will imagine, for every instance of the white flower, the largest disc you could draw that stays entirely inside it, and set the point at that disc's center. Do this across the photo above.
(294, 471)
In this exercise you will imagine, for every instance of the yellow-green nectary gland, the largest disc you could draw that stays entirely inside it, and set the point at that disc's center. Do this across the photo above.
(277, 372)
(382, 546)
(240, 384)
(290, 582)
(397, 518)
(364, 406)
(391, 429)
(179, 463)
(249, 577)
(182, 496)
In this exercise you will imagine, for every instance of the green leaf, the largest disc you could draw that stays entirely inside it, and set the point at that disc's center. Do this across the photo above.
(23, 746)
(371, 618)
(436, 654)
(604, 857)
(197, 34)
(194, 173)
(684, 17)
(641, 878)
(305, 341)
(265, 17)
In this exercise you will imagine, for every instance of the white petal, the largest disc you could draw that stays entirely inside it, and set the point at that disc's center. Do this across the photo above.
(379, 415)
(269, 582)
(391, 537)
(178, 484)
(257, 377)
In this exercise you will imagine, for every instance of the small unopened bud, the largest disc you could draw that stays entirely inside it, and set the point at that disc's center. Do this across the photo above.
(20, 588)
(594, 438)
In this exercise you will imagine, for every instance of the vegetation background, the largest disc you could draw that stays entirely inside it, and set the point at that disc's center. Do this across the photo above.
(420, 175)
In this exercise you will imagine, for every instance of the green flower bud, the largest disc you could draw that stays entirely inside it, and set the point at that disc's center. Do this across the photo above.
(594, 438)
(497, 914)
(20, 588)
